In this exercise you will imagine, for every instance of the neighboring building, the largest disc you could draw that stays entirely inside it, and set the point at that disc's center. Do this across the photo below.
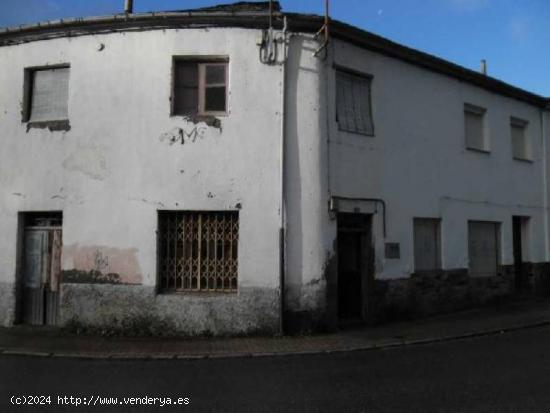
(198, 171)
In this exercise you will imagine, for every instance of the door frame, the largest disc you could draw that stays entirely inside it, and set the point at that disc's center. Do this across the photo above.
(32, 220)
(519, 240)
(365, 229)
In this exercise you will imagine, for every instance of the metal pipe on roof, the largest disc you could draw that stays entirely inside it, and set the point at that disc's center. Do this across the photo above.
(129, 6)
(484, 66)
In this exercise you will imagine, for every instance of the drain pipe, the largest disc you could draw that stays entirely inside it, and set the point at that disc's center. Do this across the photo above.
(543, 112)
(282, 228)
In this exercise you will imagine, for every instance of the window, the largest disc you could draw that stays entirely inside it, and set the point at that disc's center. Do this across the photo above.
(200, 88)
(353, 103)
(521, 145)
(198, 251)
(47, 94)
(427, 244)
(474, 128)
(483, 248)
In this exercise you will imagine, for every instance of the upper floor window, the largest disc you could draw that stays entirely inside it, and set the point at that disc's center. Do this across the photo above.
(475, 133)
(521, 144)
(199, 87)
(353, 103)
(46, 94)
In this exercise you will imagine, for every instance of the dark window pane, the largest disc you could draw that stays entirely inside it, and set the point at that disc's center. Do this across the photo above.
(186, 101)
(187, 74)
(214, 99)
(186, 88)
(215, 74)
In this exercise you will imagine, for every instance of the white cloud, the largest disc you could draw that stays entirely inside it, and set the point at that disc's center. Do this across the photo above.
(520, 29)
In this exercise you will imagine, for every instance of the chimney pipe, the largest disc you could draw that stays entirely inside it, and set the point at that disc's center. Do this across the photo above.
(129, 6)
(483, 66)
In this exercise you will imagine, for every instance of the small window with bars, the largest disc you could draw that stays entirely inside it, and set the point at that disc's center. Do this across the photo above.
(198, 251)
(200, 87)
(46, 94)
(353, 103)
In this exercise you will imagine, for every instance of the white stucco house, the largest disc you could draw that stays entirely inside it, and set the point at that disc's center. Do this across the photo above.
(206, 172)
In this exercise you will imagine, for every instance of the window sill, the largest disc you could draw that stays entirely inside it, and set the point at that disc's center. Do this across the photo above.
(484, 151)
(52, 125)
(210, 119)
(525, 160)
(370, 135)
(202, 294)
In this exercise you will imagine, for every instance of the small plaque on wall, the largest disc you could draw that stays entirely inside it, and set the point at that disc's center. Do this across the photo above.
(392, 250)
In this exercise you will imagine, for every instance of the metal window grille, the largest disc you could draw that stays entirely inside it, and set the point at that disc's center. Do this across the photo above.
(198, 251)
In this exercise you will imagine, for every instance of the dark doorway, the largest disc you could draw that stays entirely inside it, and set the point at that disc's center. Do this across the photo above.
(354, 265)
(41, 264)
(519, 228)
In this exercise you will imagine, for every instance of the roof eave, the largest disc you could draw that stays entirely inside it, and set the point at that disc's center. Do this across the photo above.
(258, 20)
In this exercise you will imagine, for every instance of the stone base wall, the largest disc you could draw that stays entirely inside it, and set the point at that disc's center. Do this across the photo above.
(7, 304)
(136, 310)
(452, 290)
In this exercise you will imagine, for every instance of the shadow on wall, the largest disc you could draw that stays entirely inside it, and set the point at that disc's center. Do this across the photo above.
(299, 299)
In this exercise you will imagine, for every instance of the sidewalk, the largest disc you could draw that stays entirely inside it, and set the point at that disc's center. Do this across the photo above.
(55, 343)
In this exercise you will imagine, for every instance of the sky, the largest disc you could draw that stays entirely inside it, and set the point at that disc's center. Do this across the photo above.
(512, 35)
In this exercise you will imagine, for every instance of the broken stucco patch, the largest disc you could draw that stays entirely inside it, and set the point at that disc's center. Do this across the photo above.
(89, 160)
(89, 277)
(195, 128)
(101, 264)
(52, 126)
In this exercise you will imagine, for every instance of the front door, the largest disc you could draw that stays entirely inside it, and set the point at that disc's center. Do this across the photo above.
(41, 268)
(353, 265)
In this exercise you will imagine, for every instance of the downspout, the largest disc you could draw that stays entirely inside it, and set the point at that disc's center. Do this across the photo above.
(544, 181)
(282, 228)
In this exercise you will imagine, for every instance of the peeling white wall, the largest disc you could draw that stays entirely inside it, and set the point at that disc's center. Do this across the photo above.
(116, 166)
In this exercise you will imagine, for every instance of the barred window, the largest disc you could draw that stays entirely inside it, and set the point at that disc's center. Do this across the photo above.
(198, 251)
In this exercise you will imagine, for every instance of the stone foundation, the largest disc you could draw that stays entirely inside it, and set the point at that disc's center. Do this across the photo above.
(135, 309)
(446, 291)
(7, 304)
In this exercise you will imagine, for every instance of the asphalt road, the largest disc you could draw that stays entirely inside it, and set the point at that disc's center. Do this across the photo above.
(503, 373)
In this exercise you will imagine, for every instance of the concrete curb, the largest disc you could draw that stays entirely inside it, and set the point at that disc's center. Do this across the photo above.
(366, 347)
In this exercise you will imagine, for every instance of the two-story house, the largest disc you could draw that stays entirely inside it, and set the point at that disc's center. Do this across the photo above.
(231, 170)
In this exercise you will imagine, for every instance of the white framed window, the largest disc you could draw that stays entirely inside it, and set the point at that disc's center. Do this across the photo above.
(483, 248)
(521, 144)
(353, 102)
(46, 94)
(475, 129)
(200, 87)
(427, 244)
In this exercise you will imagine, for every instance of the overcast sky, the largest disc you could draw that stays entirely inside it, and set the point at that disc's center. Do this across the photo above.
(512, 35)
